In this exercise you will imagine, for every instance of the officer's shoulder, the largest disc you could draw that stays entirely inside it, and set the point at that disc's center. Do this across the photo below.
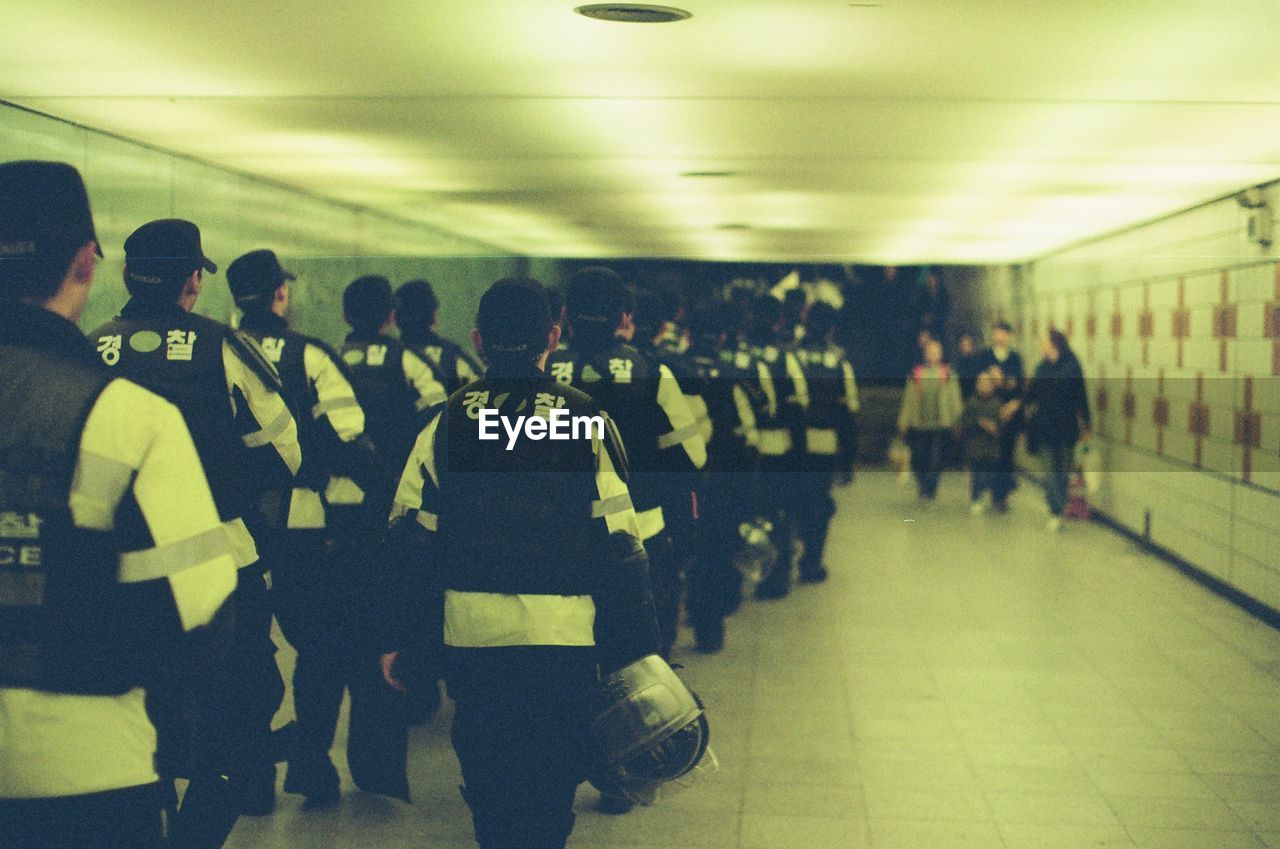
(249, 352)
(575, 398)
(133, 409)
(319, 344)
(107, 327)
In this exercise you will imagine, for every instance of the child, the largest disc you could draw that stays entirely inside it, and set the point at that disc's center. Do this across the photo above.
(981, 423)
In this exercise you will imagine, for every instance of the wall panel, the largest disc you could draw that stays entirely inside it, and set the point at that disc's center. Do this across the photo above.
(328, 244)
(1181, 317)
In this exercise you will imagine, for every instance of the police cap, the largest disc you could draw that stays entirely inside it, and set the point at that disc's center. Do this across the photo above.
(44, 210)
(256, 274)
(161, 250)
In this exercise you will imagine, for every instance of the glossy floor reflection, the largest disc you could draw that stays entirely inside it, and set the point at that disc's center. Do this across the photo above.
(961, 682)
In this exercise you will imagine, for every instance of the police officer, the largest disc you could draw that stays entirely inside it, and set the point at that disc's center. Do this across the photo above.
(781, 429)
(397, 389)
(112, 554)
(307, 585)
(395, 385)
(417, 309)
(649, 332)
(657, 427)
(728, 422)
(833, 402)
(248, 442)
(532, 559)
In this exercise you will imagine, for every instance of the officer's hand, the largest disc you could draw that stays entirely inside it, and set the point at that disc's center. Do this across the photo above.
(390, 672)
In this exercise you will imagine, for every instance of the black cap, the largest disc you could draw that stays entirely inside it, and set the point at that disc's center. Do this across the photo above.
(44, 209)
(255, 274)
(167, 247)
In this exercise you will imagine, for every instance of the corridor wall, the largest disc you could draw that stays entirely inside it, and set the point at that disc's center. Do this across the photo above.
(1177, 323)
(326, 243)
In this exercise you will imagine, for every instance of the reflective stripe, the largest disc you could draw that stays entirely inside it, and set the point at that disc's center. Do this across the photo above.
(609, 506)
(676, 437)
(259, 438)
(486, 620)
(436, 397)
(306, 510)
(822, 441)
(101, 479)
(430, 521)
(332, 404)
(164, 560)
(774, 442)
(343, 491)
(651, 522)
(244, 551)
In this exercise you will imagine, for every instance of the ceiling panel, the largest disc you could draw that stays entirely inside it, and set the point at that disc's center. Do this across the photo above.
(915, 130)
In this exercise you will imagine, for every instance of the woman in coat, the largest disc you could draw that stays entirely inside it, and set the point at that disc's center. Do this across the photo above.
(930, 412)
(1057, 411)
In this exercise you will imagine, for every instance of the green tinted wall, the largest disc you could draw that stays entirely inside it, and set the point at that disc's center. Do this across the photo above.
(327, 244)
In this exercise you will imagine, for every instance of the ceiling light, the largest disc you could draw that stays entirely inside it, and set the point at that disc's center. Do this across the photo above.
(706, 174)
(633, 13)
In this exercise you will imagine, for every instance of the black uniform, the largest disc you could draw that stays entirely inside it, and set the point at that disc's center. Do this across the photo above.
(533, 566)
(397, 389)
(102, 501)
(721, 403)
(833, 400)
(247, 441)
(662, 443)
(781, 429)
(312, 590)
(456, 367)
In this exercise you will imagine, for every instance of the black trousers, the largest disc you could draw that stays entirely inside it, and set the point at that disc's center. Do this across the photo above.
(667, 584)
(1003, 480)
(518, 726)
(218, 720)
(927, 454)
(308, 604)
(236, 736)
(346, 658)
(814, 506)
(116, 819)
(714, 587)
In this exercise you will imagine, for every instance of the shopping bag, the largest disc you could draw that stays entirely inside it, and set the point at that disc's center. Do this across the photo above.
(1089, 461)
(900, 457)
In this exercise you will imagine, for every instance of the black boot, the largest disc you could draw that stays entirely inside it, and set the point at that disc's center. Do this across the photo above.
(812, 573)
(257, 791)
(708, 638)
(316, 779)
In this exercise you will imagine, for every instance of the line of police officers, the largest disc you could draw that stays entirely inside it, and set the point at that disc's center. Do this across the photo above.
(158, 475)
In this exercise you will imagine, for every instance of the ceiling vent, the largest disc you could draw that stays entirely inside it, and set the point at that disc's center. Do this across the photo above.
(633, 13)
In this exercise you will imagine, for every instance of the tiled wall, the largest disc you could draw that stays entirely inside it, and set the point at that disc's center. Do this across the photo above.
(327, 244)
(1178, 325)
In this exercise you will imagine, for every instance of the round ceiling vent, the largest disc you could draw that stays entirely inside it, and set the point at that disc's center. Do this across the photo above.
(633, 13)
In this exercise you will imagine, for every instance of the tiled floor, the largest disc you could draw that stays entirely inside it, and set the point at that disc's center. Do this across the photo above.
(960, 683)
